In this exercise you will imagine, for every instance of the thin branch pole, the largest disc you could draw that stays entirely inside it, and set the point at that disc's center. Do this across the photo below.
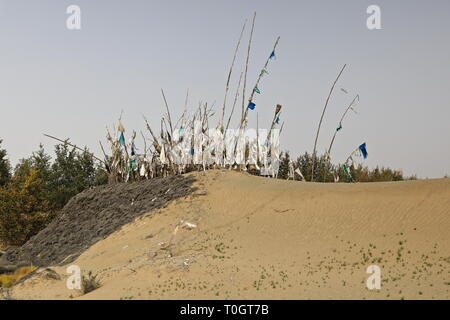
(244, 118)
(320, 122)
(257, 139)
(103, 150)
(186, 101)
(274, 120)
(168, 112)
(234, 103)
(340, 122)
(155, 140)
(184, 111)
(76, 147)
(229, 76)
(246, 65)
(108, 169)
(281, 129)
(145, 144)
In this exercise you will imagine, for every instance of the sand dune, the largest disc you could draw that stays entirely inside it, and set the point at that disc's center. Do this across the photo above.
(271, 239)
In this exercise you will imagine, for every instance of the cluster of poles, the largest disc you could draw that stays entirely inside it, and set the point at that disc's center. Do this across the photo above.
(192, 143)
(189, 144)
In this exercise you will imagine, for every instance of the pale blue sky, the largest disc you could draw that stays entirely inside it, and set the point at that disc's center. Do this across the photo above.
(74, 83)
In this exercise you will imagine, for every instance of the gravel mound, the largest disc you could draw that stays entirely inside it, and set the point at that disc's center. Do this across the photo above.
(92, 216)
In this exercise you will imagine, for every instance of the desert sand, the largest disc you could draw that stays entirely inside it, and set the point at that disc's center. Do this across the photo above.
(246, 237)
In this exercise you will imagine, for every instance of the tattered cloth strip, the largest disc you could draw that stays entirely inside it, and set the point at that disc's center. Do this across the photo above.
(122, 139)
(257, 90)
(340, 126)
(162, 156)
(264, 71)
(143, 170)
(297, 171)
(363, 150)
(251, 106)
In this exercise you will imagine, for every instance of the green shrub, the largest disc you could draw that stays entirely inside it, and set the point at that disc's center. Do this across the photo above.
(325, 171)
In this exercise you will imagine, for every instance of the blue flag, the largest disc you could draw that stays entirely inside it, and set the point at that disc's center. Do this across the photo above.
(122, 139)
(272, 55)
(251, 106)
(363, 150)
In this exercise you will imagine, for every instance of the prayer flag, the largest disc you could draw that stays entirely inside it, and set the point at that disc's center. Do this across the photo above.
(122, 139)
(363, 150)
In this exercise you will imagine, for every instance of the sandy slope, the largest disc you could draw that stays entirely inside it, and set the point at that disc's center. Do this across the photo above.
(273, 239)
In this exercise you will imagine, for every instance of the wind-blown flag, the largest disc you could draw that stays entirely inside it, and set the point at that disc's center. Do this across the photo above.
(257, 90)
(122, 139)
(251, 106)
(363, 150)
(272, 55)
(340, 127)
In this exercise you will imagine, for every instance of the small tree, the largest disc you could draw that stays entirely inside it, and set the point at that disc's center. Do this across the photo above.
(283, 171)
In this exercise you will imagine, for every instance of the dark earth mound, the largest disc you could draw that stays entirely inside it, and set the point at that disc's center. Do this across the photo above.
(93, 215)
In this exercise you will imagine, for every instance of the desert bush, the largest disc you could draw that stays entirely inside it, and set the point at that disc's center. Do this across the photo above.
(89, 283)
(8, 280)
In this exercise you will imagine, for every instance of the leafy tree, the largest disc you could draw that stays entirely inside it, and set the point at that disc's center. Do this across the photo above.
(5, 168)
(22, 212)
(71, 173)
(40, 187)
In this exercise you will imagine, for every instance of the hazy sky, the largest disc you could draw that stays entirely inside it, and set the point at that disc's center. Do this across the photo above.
(75, 83)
